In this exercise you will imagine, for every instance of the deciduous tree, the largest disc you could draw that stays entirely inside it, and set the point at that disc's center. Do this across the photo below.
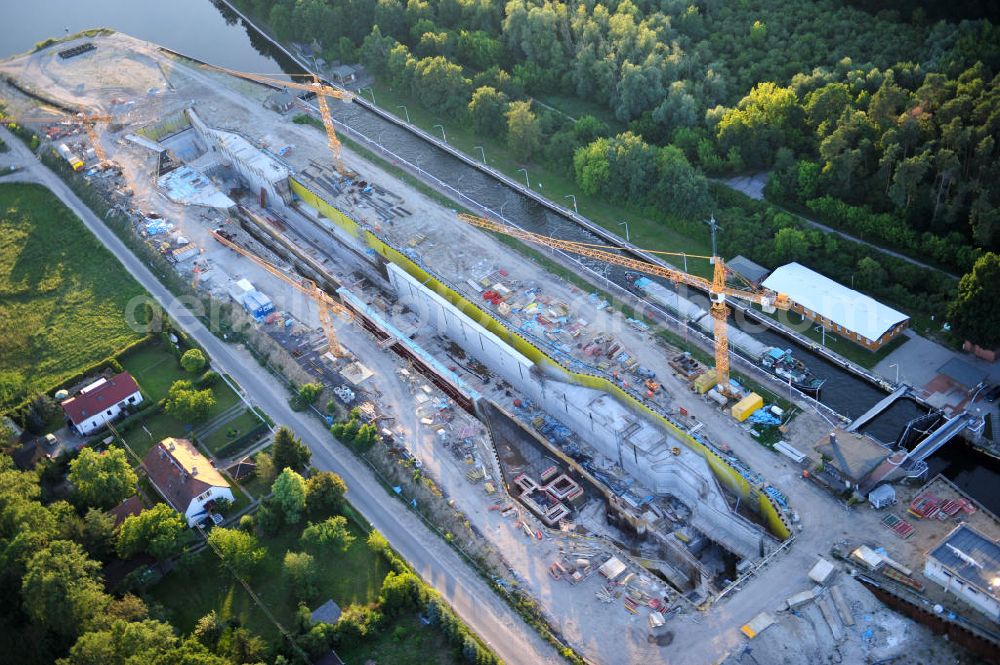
(300, 569)
(61, 589)
(325, 493)
(524, 133)
(102, 479)
(332, 533)
(158, 531)
(974, 314)
(486, 108)
(237, 550)
(122, 643)
(188, 404)
(288, 495)
(193, 360)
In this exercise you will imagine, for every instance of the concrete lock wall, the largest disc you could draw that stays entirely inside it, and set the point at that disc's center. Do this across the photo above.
(724, 472)
(658, 460)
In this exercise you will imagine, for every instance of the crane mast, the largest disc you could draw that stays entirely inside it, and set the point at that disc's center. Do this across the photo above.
(324, 302)
(321, 91)
(717, 288)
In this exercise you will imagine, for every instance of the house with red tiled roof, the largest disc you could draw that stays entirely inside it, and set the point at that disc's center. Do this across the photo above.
(101, 402)
(185, 478)
(127, 508)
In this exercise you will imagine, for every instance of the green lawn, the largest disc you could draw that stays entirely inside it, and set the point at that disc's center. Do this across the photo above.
(62, 294)
(555, 186)
(241, 500)
(145, 434)
(155, 368)
(229, 432)
(405, 641)
(576, 108)
(224, 399)
(351, 577)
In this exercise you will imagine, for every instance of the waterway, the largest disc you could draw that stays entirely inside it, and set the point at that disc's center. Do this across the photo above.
(211, 32)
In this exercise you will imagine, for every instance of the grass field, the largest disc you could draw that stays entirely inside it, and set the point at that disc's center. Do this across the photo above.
(351, 577)
(155, 368)
(406, 642)
(230, 431)
(62, 294)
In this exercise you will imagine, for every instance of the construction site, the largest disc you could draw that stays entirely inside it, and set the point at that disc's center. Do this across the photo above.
(625, 484)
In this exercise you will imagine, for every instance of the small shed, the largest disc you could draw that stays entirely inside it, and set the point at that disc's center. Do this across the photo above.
(242, 469)
(800, 599)
(127, 508)
(344, 73)
(328, 612)
(757, 625)
(742, 409)
(280, 101)
(869, 557)
(747, 269)
(882, 496)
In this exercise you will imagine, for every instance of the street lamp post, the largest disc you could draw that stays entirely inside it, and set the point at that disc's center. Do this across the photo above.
(625, 224)
(896, 365)
(573, 196)
(526, 181)
(372, 93)
(443, 135)
(480, 149)
(405, 111)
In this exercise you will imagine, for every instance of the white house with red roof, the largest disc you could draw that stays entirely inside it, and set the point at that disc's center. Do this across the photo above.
(185, 478)
(101, 402)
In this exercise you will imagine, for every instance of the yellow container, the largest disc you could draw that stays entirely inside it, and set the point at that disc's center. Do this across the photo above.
(742, 409)
(704, 382)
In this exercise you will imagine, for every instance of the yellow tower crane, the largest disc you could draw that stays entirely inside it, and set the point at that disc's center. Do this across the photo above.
(317, 87)
(87, 121)
(717, 288)
(324, 302)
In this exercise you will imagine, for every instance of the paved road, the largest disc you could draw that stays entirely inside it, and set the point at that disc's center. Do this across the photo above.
(473, 599)
(753, 186)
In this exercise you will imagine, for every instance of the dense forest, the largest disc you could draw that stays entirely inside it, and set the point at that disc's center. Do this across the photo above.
(878, 117)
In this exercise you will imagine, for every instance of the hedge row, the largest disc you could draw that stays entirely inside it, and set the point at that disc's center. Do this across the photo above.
(242, 441)
(111, 362)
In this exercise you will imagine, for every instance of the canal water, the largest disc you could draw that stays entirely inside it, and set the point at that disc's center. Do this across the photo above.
(209, 31)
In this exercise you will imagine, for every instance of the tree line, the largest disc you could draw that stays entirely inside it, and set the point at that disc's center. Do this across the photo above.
(891, 139)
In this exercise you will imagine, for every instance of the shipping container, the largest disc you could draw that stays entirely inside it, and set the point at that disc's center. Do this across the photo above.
(705, 382)
(742, 409)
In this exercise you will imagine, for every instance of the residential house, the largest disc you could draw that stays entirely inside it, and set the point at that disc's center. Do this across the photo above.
(127, 508)
(101, 402)
(185, 478)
